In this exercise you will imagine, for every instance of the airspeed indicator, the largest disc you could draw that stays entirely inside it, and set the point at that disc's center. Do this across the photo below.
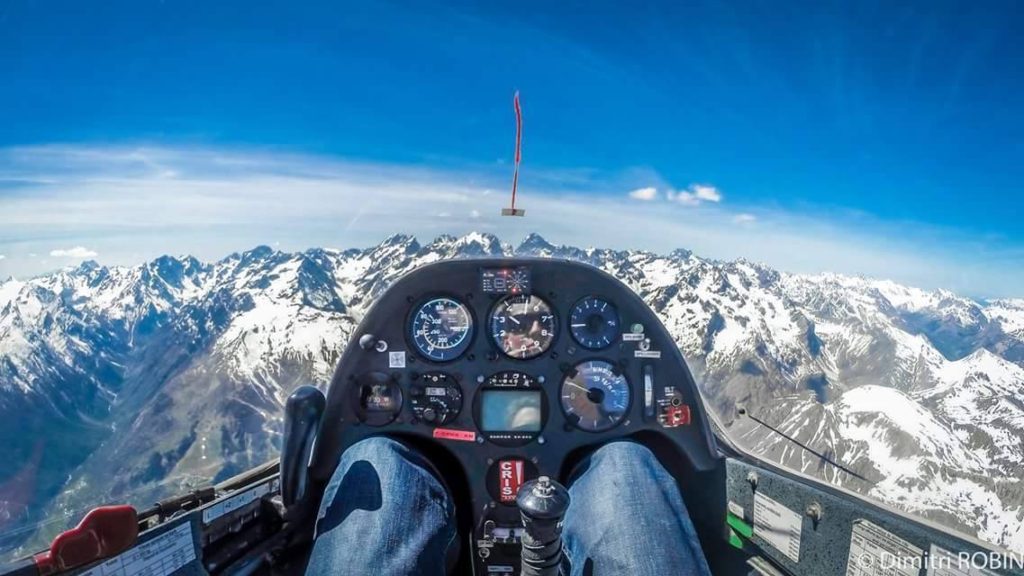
(441, 329)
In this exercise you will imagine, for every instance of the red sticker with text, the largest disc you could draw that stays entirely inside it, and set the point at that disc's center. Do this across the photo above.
(449, 434)
(511, 476)
(679, 415)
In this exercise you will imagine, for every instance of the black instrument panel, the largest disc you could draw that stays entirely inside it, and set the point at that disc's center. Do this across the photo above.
(507, 369)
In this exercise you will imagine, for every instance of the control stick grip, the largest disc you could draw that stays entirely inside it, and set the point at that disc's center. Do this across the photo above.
(302, 414)
(542, 504)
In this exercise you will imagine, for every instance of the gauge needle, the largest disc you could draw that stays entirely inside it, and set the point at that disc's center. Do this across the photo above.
(578, 386)
(578, 325)
(513, 318)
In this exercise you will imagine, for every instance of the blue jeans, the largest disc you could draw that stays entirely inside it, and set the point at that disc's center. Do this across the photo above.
(386, 513)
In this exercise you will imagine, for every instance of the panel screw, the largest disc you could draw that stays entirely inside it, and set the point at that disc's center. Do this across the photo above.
(752, 480)
(815, 513)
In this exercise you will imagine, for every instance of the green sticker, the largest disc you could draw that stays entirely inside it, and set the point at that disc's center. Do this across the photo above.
(738, 525)
(734, 540)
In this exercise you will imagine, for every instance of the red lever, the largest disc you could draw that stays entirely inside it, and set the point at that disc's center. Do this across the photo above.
(104, 532)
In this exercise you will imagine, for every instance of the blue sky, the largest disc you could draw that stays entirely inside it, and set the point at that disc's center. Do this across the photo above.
(852, 137)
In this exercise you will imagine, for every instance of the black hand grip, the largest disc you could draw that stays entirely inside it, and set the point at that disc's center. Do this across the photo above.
(542, 504)
(302, 414)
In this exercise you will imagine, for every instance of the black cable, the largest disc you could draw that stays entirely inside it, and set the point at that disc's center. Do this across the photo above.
(824, 458)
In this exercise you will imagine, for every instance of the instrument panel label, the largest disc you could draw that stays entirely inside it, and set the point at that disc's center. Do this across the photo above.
(875, 551)
(736, 510)
(162, 555)
(511, 475)
(450, 434)
(778, 526)
(396, 359)
(235, 502)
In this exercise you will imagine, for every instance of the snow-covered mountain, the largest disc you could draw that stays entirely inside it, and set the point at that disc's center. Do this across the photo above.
(920, 392)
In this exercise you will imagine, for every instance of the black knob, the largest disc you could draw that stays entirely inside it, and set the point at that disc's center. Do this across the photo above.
(542, 505)
(367, 341)
(430, 415)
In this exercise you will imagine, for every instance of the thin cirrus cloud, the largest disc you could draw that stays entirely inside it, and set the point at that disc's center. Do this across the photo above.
(77, 253)
(132, 204)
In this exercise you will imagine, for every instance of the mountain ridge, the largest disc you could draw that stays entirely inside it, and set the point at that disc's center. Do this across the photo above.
(196, 358)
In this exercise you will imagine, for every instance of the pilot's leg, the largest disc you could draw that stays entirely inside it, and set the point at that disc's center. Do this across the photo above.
(384, 512)
(626, 516)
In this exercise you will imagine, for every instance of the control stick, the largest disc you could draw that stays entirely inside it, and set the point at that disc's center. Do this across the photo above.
(302, 413)
(542, 504)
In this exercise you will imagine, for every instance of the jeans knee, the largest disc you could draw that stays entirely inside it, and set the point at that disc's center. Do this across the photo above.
(627, 464)
(380, 452)
(375, 448)
(624, 455)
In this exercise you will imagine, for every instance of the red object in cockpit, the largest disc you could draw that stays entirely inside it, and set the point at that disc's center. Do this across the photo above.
(511, 476)
(104, 532)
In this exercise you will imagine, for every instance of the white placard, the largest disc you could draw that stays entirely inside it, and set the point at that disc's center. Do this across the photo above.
(396, 359)
(161, 556)
(736, 510)
(235, 502)
(777, 525)
(875, 551)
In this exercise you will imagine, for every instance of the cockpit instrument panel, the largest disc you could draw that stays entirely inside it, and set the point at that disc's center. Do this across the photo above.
(503, 369)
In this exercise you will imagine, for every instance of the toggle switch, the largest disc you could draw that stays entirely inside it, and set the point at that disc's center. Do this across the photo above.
(648, 392)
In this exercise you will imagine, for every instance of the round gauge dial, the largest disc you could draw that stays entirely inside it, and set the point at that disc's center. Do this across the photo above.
(378, 398)
(523, 326)
(595, 396)
(436, 398)
(594, 323)
(442, 329)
